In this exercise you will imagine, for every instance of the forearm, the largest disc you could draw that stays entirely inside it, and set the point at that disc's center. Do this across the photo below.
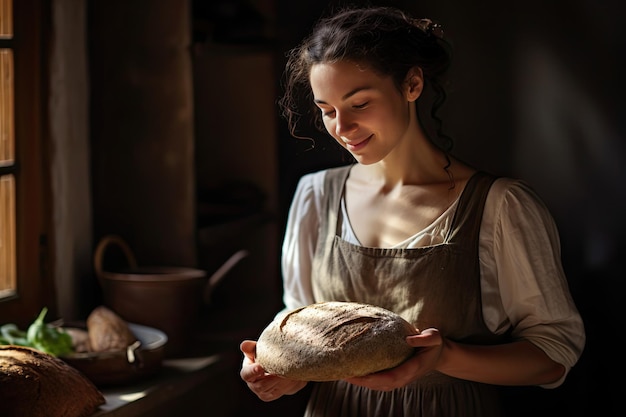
(515, 363)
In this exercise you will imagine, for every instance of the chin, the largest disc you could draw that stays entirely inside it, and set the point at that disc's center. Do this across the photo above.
(366, 160)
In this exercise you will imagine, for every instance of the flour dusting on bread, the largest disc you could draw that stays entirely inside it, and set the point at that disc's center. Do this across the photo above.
(334, 340)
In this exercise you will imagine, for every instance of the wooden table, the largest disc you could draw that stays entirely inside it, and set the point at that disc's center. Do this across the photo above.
(202, 386)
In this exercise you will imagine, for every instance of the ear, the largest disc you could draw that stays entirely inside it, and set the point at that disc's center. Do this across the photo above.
(414, 83)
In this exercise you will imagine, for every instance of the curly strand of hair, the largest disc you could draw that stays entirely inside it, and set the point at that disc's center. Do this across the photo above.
(439, 100)
(447, 141)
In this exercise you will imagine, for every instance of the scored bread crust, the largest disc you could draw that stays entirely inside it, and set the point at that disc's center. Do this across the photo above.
(333, 340)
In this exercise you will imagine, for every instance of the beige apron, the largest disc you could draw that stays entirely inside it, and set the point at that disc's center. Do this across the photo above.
(437, 286)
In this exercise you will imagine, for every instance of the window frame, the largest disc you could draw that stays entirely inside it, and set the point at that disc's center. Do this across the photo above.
(35, 288)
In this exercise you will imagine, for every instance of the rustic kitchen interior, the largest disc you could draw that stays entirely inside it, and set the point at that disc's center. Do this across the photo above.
(160, 127)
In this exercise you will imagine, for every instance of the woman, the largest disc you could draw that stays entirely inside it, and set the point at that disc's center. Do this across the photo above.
(473, 261)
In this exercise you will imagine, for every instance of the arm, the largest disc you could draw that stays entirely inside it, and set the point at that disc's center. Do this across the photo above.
(299, 243)
(521, 262)
(515, 363)
(297, 254)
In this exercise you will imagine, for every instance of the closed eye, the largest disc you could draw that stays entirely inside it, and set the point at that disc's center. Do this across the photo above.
(361, 106)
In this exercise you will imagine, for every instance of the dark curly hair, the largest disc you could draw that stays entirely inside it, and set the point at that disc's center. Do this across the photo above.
(386, 39)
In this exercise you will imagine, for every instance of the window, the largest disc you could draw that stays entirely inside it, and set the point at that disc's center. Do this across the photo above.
(25, 284)
(7, 154)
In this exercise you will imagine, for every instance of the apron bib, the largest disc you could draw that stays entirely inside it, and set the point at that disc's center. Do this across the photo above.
(436, 286)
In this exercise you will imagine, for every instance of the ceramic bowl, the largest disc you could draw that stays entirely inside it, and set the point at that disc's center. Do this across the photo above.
(123, 366)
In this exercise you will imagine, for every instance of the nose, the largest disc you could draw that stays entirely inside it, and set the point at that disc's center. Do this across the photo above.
(344, 124)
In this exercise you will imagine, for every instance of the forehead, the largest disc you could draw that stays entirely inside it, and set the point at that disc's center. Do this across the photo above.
(339, 78)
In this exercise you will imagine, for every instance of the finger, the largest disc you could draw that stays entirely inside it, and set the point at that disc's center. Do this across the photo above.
(428, 337)
(270, 395)
(251, 373)
(248, 347)
(265, 385)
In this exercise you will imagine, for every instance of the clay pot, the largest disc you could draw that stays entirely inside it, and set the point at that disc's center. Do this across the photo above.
(168, 298)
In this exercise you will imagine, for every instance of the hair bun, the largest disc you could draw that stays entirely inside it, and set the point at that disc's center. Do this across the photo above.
(430, 28)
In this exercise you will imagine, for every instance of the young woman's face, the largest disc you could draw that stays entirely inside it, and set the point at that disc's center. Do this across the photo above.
(364, 112)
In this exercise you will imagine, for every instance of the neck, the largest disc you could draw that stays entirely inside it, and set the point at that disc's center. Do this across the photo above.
(416, 161)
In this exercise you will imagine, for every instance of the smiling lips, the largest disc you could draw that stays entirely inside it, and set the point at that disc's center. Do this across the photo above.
(356, 145)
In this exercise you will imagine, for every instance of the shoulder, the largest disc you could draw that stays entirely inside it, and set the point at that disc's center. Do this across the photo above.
(313, 182)
(514, 191)
(514, 200)
(310, 191)
(309, 187)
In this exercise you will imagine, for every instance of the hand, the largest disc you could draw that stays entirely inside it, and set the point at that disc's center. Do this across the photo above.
(429, 344)
(266, 386)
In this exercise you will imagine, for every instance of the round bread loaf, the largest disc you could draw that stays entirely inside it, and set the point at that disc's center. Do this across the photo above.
(108, 331)
(333, 340)
(35, 384)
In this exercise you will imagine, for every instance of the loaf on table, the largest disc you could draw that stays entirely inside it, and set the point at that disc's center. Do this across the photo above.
(35, 384)
(332, 341)
(108, 331)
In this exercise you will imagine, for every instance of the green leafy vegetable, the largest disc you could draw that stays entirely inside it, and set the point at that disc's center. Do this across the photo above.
(12, 335)
(39, 335)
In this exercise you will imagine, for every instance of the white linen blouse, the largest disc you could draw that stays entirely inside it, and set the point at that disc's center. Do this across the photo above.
(523, 284)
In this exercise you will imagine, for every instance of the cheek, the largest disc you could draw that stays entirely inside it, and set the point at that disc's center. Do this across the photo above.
(330, 129)
(329, 124)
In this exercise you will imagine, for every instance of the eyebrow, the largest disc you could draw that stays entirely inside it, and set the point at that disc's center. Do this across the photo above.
(347, 95)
